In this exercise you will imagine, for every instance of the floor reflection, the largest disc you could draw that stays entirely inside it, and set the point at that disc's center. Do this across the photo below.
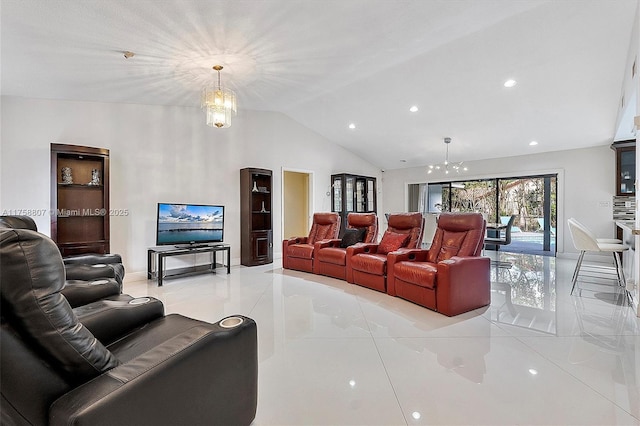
(464, 357)
(524, 291)
(608, 343)
(364, 357)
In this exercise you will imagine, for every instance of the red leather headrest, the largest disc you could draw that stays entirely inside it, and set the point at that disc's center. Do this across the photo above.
(459, 222)
(361, 220)
(325, 218)
(400, 221)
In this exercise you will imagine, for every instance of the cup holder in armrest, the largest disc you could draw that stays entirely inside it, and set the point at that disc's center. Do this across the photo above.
(231, 322)
(139, 301)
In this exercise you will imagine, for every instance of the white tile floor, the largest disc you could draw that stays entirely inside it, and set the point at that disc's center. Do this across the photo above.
(332, 353)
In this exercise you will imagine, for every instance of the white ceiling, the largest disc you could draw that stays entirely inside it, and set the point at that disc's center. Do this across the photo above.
(332, 62)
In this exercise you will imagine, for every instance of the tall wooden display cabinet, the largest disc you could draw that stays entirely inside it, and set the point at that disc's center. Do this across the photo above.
(80, 199)
(256, 221)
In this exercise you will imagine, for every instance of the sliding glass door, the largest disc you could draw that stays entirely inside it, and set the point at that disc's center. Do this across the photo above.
(532, 199)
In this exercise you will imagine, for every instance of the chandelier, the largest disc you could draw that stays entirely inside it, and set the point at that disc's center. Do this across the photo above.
(447, 165)
(218, 103)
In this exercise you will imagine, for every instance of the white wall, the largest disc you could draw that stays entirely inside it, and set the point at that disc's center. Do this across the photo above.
(629, 90)
(586, 185)
(167, 154)
(161, 154)
(625, 129)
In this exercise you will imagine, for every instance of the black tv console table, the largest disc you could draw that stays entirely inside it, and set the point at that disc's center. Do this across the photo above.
(156, 260)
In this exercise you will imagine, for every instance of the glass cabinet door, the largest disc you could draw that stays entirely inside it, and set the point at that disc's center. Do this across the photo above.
(337, 195)
(371, 195)
(625, 166)
(627, 172)
(349, 193)
(360, 196)
(352, 194)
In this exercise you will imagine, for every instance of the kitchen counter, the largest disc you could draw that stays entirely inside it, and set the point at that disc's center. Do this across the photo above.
(629, 259)
(629, 225)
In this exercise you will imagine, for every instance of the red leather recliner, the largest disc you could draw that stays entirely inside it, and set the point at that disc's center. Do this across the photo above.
(330, 256)
(297, 252)
(367, 263)
(451, 277)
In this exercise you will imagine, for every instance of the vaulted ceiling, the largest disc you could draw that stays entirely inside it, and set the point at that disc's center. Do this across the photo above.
(330, 63)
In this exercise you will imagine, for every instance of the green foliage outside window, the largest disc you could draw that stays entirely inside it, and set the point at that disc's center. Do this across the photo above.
(523, 197)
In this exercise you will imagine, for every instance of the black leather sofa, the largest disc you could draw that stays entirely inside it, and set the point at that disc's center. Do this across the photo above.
(90, 277)
(170, 370)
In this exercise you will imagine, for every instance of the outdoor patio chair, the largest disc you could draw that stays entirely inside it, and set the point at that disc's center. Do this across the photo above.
(499, 240)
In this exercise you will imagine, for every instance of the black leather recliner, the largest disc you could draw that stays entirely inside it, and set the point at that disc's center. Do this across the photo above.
(173, 370)
(90, 277)
(94, 293)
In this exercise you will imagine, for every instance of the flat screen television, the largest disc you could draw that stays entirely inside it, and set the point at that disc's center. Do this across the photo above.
(189, 224)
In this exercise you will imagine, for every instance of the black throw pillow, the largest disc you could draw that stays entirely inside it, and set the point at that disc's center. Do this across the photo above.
(352, 236)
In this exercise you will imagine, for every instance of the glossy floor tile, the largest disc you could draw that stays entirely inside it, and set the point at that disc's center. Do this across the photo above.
(332, 353)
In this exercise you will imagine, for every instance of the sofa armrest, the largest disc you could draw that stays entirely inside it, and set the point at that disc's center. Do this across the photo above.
(362, 248)
(296, 240)
(205, 375)
(86, 272)
(319, 245)
(81, 292)
(112, 318)
(463, 284)
(408, 255)
(326, 243)
(92, 259)
(354, 250)
(402, 255)
(286, 243)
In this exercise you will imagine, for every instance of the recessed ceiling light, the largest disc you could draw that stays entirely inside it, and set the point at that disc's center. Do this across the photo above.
(509, 83)
(413, 109)
(533, 371)
(533, 143)
(352, 126)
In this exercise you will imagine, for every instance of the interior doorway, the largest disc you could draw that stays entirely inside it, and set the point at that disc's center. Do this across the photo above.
(297, 196)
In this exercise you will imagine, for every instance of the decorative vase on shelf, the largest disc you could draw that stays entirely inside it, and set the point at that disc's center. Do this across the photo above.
(67, 177)
(95, 177)
(263, 209)
(255, 187)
